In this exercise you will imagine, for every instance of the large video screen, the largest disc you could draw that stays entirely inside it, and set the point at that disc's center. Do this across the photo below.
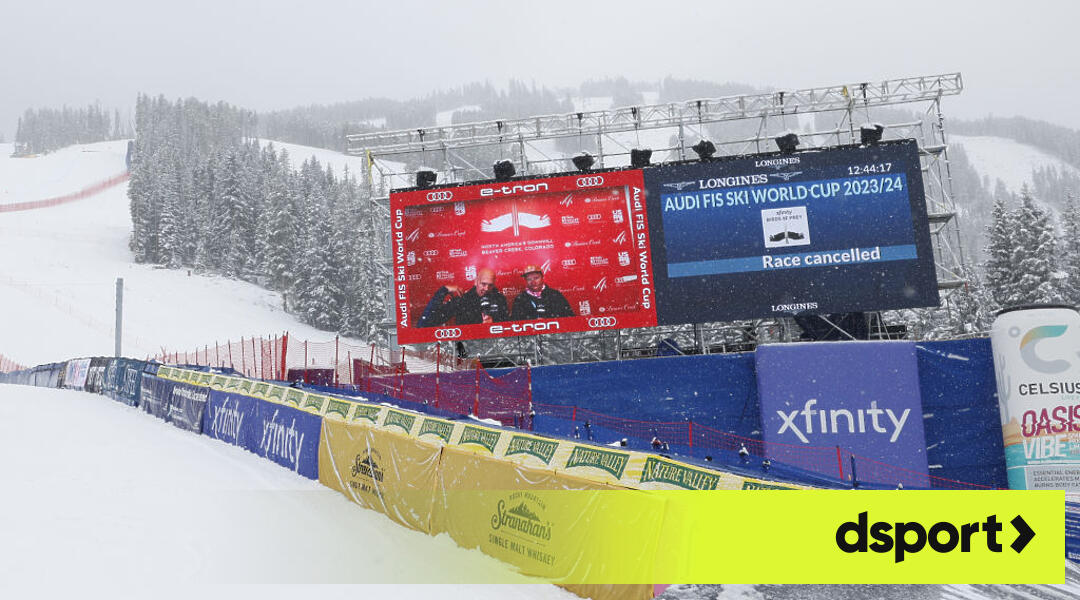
(523, 257)
(813, 232)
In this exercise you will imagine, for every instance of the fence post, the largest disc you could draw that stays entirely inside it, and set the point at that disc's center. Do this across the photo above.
(243, 358)
(573, 414)
(691, 435)
(303, 373)
(284, 352)
(352, 376)
(255, 359)
(438, 368)
(232, 365)
(840, 463)
(217, 353)
(337, 345)
(273, 363)
(854, 475)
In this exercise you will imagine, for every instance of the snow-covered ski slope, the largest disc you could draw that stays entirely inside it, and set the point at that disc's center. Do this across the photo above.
(1008, 160)
(58, 268)
(104, 494)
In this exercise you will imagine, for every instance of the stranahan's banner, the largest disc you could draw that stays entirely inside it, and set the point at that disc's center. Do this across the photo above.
(464, 257)
(388, 472)
(523, 516)
(1037, 364)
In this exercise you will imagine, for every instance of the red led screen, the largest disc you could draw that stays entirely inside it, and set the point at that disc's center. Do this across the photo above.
(586, 235)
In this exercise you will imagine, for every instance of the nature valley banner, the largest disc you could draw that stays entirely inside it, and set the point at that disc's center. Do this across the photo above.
(530, 450)
(600, 464)
(479, 439)
(526, 517)
(380, 470)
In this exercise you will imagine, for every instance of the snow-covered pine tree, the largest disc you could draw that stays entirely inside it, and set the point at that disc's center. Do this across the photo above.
(279, 226)
(1001, 268)
(167, 195)
(1070, 249)
(1039, 279)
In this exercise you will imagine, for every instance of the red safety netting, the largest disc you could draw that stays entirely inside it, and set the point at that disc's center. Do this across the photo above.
(506, 399)
(278, 356)
(7, 365)
(868, 469)
(86, 192)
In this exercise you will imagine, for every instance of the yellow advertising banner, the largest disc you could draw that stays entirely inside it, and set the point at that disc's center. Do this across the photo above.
(527, 517)
(384, 471)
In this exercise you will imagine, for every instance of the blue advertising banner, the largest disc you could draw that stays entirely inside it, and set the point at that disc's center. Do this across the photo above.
(828, 231)
(233, 419)
(154, 396)
(862, 397)
(187, 403)
(127, 382)
(289, 437)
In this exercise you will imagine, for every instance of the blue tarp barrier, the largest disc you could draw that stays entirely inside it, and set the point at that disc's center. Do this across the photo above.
(715, 390)
(960, 411)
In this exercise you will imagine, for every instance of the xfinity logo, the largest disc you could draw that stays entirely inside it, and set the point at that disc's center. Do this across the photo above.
(592, 181)
(447, 333)
(830, 421)
(282, 441)
(509, 190)
(440, 196)
(602, 322)
(524, 327)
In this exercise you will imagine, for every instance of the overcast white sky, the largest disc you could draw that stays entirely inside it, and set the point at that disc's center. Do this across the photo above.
(1017, 58)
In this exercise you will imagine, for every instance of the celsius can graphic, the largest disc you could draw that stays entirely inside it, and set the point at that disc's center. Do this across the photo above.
(1037, 365)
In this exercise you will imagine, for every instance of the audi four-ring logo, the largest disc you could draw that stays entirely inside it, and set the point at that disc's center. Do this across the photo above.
(447, 334)
(439, 196)
(602, 321)
(591, 181)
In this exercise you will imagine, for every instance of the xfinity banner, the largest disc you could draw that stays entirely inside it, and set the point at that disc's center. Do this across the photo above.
(812, 232)
(862, 397)
(1037, 363)
(522, 257)
(289, 437)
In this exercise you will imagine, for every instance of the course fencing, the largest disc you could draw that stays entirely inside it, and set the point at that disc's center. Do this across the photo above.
(86, 192)
(701, 441)
(334, 362)
(7, 365)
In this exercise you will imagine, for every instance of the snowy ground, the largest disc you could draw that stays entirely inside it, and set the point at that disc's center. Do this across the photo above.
(104, 495)
(1010, 161)
(58, 268)
(58, 173)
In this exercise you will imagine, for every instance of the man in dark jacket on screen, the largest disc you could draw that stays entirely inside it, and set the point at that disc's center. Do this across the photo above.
(483, 303)
(538, 301)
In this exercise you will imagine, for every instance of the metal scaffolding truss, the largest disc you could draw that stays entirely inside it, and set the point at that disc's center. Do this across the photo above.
(633, 118)
(823, 117)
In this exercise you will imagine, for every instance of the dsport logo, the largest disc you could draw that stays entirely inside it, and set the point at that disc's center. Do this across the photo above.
(592, 181)
(447, 333)
(1031, 339)
(602, 322)
(440, 196)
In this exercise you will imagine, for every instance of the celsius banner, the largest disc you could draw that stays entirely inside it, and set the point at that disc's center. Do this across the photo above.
(780, 234)
(567, 253)
(1038, 381)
